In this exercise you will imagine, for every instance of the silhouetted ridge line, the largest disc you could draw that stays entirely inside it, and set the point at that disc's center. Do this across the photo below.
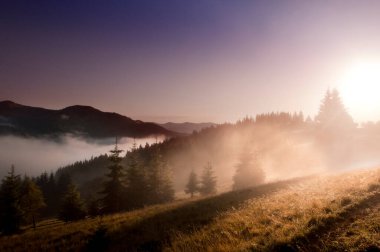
(81, 120)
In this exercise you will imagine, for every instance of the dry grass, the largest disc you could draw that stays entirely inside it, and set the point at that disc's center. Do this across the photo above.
(258, 219)
(264, 223)
(360, 234)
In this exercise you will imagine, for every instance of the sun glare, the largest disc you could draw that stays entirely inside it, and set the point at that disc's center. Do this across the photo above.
(360, 90)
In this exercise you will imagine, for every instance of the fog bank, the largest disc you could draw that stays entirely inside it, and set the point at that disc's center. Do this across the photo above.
(32, 156)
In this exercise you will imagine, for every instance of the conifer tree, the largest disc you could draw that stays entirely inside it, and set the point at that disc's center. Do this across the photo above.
(72, 206)
(192, 184)
(248, 172)
(10, 210)
(159, 180)
(136, 184)
(208, 181)
(335, 128)
(332, 113)
(59, 185)
(63, 182)
(113, 188)
(31, 201)
(50, 192)
(93, 207)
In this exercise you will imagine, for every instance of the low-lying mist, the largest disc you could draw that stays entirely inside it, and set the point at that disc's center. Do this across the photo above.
(32, 156)
(281, 152)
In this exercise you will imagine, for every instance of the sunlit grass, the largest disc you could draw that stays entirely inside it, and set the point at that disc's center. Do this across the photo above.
(358, 235)
(265, 222)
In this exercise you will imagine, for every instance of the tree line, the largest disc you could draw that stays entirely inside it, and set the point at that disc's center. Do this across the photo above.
(20, 202)
(23, 200)
(145, 180)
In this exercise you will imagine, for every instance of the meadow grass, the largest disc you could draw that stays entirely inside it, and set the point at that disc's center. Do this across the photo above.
(269, 222)
(262, 218)
(358, 235)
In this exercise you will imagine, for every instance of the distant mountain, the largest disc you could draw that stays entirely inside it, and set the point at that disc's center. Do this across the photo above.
(79, 120)
(186, 127)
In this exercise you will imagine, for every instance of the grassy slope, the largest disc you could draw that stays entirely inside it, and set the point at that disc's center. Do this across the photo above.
(304, 214)
(359, 233)
(290, 218)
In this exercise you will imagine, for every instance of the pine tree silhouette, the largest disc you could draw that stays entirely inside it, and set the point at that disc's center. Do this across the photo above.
(208, 181)
(192, 184)
(332, 113)
(248, 172)
(136, 180)
(10, 210)
(114, 189)
(31, 201)
(72, 206)
(159, 180)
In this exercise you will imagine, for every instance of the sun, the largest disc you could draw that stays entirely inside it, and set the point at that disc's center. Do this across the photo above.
(360, 90)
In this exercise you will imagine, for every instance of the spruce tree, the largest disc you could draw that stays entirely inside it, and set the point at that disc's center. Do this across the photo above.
(159, 180)
(114, 189)
(63, 182)
(59, 186)
(334, 132)
(332, 113)
(248, 172)
(136, 184)
(50, 192)
(93, 207)
(31, 201)
(192, 184)
(72, 206)
(10, 210)
(208, 181)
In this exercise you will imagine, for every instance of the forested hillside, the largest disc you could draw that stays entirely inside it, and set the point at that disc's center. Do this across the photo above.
(251, 152)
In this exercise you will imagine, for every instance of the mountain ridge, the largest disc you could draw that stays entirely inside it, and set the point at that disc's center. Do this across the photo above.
(18, 119)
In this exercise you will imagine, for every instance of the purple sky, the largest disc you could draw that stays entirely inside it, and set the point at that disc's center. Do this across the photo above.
(209, 60)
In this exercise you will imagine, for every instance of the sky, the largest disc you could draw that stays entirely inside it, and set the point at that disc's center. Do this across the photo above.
(209, 60)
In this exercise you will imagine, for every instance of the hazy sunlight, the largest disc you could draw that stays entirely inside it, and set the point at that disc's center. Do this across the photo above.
(360, 88)
(176, 126)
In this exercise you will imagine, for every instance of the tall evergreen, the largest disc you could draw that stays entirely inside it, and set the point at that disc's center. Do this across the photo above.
(136, 184)
(335, 130)
(31, 200)
(60, 183)
(72, 206)
(93, 206)
(192, 185)
(50, 193)
(332, 113)
(208, 181)
(114, 189)
(248, 172)
(10, 210)
(64, 180)
(159, 180)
